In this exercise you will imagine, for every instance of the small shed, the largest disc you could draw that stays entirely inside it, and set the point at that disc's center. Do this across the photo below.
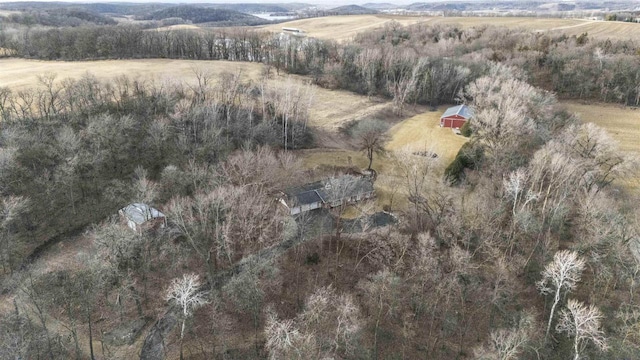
(139, 216)
(455, 116)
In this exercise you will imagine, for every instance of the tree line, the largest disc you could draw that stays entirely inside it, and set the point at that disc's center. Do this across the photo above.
(414, 64)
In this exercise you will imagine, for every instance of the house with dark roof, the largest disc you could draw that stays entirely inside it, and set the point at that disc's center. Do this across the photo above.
(328, 193)
(454, 117)
(139, 216)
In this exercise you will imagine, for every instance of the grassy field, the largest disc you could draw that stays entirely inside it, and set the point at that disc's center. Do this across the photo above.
(623, 123)
(345, 27)
(20, 74)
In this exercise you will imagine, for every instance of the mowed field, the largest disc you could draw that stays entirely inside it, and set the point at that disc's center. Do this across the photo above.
(423, 133)
(345, 27)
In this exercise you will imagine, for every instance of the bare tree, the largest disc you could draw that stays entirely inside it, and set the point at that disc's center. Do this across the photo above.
(402, 76)
(560, 275)
(199, 220)
(285, 340)
(369, 61)
(584, 324)
(325, 329)
(505, 110)
(202, 87)
(427, 192)
(188, 296)
(11, 208)
(146, 191)
(508, 344)
(596, 154)
(371, 136)
(517, 191)
(381, 289)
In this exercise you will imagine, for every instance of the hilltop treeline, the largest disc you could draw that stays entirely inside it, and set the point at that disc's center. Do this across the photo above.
(420, 63)
(57, 18)
(198, 15)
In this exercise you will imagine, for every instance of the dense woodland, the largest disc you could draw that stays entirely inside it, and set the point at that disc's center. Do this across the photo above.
(528, 254)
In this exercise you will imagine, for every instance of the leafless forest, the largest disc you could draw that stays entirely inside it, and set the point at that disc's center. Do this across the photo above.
(526, 246)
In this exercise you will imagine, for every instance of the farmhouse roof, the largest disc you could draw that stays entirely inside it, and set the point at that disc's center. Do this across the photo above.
(140, 213)
(320, 191)
(462, 110)
(310, 197)
(351, 186)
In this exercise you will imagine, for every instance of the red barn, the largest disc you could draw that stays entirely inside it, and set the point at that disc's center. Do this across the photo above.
(455, 116)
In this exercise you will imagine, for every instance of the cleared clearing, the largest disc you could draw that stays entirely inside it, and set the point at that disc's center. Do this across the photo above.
(423, 133)
(345, 27)
(333, 108)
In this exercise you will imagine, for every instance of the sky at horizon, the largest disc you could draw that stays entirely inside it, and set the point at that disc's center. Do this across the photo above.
(323, 3)
(313, 2)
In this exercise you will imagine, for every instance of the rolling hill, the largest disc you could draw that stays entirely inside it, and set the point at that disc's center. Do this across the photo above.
(351, 10)
(198, 15)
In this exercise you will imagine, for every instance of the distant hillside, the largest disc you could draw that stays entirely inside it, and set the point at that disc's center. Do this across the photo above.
(198, 15)
(507, 5)
(59, 18)
(139, 9)
(250, 8)
(100, 8)
(351, 10)
(380, 6)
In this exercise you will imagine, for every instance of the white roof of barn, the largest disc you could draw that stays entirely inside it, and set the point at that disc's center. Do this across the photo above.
(140, 213)
(462, 110)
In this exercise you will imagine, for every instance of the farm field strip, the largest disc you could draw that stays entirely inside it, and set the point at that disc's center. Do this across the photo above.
(622, 123)
(21, 74)
(345, 27)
